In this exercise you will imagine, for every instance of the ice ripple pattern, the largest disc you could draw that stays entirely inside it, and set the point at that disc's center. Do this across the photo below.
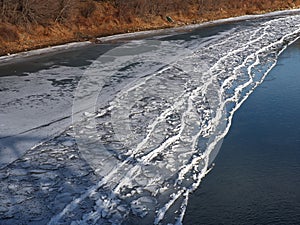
(157, 134)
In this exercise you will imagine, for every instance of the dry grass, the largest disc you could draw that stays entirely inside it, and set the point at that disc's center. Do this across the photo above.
(44, 24)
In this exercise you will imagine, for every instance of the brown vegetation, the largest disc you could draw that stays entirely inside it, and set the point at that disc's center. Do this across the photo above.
(28, 24)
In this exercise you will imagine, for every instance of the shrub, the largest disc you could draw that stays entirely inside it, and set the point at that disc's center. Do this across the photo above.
(23, 12)
(87, 9)
(8, 34)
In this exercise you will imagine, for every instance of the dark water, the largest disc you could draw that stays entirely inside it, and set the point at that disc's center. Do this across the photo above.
(256, 178)
(74, 57)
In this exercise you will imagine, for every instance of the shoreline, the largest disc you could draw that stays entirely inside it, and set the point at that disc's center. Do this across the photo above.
(7, 58)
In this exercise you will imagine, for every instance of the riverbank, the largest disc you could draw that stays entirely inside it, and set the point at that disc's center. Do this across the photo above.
(106, 19)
